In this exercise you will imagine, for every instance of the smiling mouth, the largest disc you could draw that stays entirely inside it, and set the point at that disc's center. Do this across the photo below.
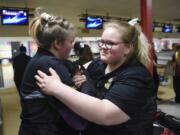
(103, 54)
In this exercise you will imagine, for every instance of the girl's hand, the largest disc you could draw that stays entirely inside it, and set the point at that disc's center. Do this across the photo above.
(47, 83)
(79, 80)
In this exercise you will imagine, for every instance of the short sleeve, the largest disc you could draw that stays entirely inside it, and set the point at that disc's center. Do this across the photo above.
(62, 70)
(72, 119)
(130, 91)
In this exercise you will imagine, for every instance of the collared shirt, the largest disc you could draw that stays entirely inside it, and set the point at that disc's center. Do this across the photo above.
(38, 108)
(131, 89)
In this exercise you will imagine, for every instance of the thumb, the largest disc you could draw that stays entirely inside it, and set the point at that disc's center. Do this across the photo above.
(54, 74)
(52, 71)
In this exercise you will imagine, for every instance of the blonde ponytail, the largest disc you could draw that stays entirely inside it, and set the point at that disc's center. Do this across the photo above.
(131, 34)
(34, 28)
(47, 28)
(143, 47)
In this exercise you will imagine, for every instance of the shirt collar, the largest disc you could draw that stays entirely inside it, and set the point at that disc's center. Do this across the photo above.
(44, 51)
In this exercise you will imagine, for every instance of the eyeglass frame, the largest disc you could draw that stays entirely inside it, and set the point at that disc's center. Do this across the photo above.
(108, 44)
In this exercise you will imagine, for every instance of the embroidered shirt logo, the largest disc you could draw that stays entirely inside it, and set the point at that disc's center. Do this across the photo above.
(108, 84)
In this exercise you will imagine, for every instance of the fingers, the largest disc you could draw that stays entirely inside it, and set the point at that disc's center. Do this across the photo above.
(38, 78)
(79, 83)
(39, 81)
(79, 77)
(41, 74)
(52, 71)
(39, 84)
(79, 80)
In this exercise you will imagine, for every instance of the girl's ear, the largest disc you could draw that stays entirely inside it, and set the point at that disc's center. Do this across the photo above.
(56, 45)
(128, 49)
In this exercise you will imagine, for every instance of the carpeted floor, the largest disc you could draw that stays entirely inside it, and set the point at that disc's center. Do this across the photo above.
(11, 111)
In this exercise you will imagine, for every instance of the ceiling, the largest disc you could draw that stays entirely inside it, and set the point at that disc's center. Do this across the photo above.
(163, 10)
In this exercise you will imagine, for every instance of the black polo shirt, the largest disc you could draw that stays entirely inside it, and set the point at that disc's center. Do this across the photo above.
(130, 87)
(38, 109)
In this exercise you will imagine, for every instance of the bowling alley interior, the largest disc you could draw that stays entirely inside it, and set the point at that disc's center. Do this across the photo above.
(159, 21)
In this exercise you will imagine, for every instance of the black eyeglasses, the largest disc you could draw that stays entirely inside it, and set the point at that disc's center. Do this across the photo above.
(107, 44)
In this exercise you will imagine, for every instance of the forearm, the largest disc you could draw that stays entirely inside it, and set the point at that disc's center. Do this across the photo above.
(103, 112)
(90, 108)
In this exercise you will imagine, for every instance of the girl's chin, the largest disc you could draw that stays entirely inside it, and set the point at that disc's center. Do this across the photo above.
(64, 57)
(104, 60)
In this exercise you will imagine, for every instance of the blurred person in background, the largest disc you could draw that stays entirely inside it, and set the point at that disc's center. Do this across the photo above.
(83, 51)
(176, 67)
(20, 63)
(85, 57)
(155, 74)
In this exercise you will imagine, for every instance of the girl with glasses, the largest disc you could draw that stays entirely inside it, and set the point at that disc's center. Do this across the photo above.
(123, 101)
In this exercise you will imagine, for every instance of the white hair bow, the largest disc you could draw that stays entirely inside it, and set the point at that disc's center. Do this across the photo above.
(81, 45)
(133, 21)
(45, 16)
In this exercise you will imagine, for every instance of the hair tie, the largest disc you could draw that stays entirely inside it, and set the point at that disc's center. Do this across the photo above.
(81, 45)
(45, 16)
(133, 22)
